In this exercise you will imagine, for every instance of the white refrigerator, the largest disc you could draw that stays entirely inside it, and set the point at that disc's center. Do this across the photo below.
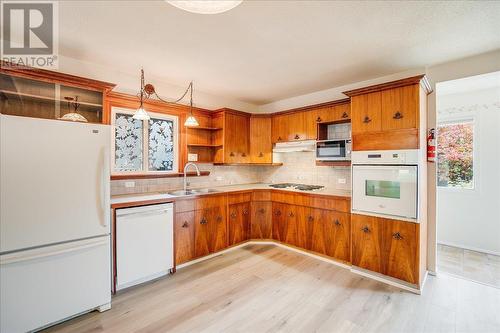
(54, 221)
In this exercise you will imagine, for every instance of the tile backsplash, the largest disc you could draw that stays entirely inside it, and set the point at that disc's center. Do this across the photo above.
(298, 167)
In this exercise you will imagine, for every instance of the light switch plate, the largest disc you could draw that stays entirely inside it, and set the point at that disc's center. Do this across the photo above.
(341, 181)
(192, 157)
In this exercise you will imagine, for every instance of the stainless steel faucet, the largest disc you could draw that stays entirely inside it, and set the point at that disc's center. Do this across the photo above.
(185, 174)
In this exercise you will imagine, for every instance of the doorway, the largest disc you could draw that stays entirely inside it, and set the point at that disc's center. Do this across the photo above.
(468, 178)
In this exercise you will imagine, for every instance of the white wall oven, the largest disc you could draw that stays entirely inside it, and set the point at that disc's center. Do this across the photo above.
(385, 183)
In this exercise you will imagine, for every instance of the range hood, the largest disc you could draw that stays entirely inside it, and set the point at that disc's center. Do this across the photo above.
(293, 146)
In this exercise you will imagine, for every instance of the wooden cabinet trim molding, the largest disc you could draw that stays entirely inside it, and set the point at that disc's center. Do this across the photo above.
(54, 77)
(418, 79)
(312, 107)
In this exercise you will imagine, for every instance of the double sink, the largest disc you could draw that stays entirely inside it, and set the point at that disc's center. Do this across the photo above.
(180, 193)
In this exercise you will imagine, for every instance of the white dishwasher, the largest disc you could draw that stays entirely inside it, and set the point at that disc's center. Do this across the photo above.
(144, 244)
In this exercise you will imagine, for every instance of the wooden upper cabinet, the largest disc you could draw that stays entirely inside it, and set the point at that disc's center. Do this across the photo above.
(366, 113)
(236, 138)
(279, 128)
(261, 146)
(391, 115)
(400, 107)
(342, 112)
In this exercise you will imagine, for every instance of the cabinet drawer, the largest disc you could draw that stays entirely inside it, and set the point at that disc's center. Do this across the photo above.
(239, 198)
(211, 201)
(261, 195)
(185, 205)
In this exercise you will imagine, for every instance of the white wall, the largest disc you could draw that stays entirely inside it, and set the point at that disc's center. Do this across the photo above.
(470, 218)
(480, 64)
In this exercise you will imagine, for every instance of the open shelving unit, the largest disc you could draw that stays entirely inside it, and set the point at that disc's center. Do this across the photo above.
(205, 140)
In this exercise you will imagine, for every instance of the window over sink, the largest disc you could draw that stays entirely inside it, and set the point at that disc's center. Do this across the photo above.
(144, 146)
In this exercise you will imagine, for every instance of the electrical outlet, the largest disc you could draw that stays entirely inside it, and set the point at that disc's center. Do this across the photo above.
(219, 178)
(341, 181)
(129, 184)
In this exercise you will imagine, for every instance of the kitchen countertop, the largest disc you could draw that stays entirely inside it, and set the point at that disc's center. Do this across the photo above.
(164, 196)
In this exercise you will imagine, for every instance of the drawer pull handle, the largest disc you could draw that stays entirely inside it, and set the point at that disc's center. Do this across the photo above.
(203, 221)
(398, 115)
(367, 120)
(279, 138)
(397, 236)
(296, 137)
(337, 223)
(365, 229)
(277, 213)
(233, 215)
(219, 218)
(345, 115)
(318, 119)
(244, 155)
(185, 224)
(291, 214)
(310, 218)
(262, 210)
(231, 154)
(261, 154)
(245, 212)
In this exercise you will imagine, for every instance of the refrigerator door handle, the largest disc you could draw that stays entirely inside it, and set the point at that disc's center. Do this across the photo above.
(103, 190)
(29, 255)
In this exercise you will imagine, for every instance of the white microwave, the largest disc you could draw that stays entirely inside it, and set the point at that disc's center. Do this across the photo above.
(333, 150)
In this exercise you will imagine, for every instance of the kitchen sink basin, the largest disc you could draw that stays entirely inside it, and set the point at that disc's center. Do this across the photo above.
(206, 190)
(181, 193)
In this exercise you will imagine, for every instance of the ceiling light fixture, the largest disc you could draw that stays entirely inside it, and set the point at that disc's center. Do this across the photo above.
(205, 6)
(73, 115)
(148, 90)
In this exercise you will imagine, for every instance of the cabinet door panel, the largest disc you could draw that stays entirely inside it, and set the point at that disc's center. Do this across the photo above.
(261, 220)
(260, 140)
(279, 221)
(279, 128)
(297, 129)
(202, 232)
(400, 107)
(304, 223)
(218, 228)
(291, 225)
(184, 237)
(342, 112)
(239, 222)
(366, 241)
(318, 240)
(400, 242)
(366, 113)
(338, 235)
(236, 138)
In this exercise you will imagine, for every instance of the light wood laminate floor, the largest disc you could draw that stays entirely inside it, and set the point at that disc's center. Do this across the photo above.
(473, 265)
(265, 288)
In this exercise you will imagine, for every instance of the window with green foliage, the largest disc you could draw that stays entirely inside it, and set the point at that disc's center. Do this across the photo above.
(455, 155)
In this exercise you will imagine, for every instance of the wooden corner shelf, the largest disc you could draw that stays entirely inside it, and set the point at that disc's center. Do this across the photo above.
(203, 145)
(333, 163)
(204, 128)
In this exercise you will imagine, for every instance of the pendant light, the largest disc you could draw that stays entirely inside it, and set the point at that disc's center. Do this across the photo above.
(73, 115)
(148, 90)
(205, 6)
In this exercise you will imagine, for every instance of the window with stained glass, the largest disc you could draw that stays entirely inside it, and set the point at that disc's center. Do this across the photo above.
(144, 146)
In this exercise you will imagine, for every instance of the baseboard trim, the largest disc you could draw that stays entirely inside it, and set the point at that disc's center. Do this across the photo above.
(470, 248)
(357, 270)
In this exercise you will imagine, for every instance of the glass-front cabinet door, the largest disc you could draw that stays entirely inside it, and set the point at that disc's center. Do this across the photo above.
(25, 97)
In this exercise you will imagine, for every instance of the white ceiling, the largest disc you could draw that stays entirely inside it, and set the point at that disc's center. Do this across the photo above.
(264, 51)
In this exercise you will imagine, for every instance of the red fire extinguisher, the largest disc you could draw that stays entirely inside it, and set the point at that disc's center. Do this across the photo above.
(431, 146)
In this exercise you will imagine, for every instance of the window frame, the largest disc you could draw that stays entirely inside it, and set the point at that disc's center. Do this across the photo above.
(452, 120)
(145, 139)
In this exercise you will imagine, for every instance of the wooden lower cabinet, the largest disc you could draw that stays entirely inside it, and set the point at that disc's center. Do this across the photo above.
(386, 246)
(239, 222)
(210, 230)
(184, 237)
(261, 225)
(366, 242)
(337, 234)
